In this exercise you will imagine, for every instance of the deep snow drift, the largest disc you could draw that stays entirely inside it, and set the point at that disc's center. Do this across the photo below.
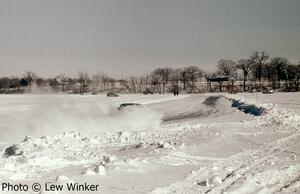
(210, 143)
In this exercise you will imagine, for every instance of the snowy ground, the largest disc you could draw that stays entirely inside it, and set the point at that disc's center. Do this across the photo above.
(210, 143)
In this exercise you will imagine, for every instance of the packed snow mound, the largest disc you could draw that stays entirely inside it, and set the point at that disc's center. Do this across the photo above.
(269, 114)
(196, 107)
(50, 153)
(211, 100)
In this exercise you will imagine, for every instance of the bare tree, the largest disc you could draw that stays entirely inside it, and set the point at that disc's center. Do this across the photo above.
(166, 74)
(245, 65)
(297, 76)
(175, 78)
(53, 83)
(124, 83)
(156, 79)
(142, 83)
(162, 76)
(4, 83)
(292, 76)
(97, 83)
(84, 81)
(29, 77)
(62, 80)
(183, 78)
(208, 81)
(176, 74)
(14, 82)
(279, 64)
(102, 82)
(193, 74)
(227, 67)
(259, 59)
(133, 82)
(40, 82)
(268, 73)
(106, 80)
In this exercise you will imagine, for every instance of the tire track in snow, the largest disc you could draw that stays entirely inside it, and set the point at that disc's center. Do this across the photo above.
(272, 150)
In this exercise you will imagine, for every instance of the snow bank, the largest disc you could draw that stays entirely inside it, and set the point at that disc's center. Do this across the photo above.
(271, 114)
(39, 155)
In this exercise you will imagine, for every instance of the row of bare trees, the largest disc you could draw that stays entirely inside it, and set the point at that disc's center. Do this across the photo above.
(244, 75)
(260, 67)
(256, 73)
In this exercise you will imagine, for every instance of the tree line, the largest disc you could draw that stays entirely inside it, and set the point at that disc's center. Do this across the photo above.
(257, 72)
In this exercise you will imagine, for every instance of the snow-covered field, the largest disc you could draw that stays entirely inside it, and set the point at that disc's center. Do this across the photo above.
(210, 143)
